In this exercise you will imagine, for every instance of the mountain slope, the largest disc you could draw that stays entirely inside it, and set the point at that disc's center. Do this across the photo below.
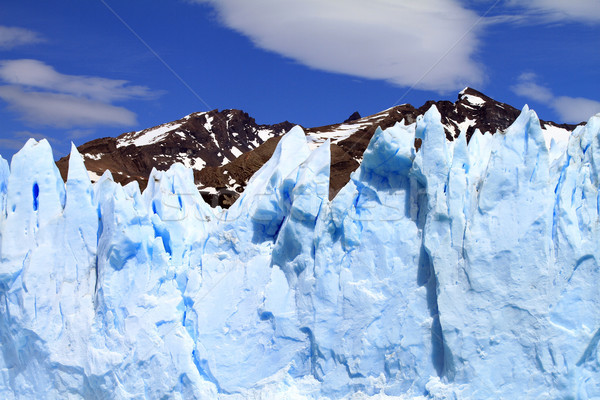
(197, 140)
(226, 148)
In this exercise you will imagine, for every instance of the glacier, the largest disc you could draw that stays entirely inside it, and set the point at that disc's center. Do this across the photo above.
(455, 271)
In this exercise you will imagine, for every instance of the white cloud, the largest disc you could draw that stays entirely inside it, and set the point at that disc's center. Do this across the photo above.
(563, 10)
(400, 42)
(28, 134)
(20, 137)
(526, 87)
(36, 74)
(43, 96)
(570, 109)
(576, 109)
(80, 133)
(13, 144)
(64, 110)
(11, 37)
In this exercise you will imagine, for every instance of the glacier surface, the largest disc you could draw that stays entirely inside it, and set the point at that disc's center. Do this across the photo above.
(458, 271)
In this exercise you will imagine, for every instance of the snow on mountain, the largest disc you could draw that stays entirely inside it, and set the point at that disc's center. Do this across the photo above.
(472, 111)
(441, 270)
(226, 148)
(199, 140)
(148, 136)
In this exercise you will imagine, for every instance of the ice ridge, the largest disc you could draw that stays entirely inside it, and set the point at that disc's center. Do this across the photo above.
(461, 270)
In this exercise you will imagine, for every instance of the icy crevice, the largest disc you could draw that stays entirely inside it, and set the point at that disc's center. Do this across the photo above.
(438, 358)
(589, 351)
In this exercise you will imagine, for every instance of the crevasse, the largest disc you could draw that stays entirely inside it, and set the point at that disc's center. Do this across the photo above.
(458, 271)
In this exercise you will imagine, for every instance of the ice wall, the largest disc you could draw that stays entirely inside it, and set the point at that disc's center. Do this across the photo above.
(458, 271)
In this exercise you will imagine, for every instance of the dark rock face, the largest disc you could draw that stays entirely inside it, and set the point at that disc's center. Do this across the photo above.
(225, 148)
(209, 139)
(473, 110)
(487, 114)
(230, 179)
(355, 115)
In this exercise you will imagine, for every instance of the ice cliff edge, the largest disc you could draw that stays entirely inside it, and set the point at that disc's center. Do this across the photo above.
(462, 270)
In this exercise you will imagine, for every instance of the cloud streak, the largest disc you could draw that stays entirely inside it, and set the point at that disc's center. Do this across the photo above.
(570, 109)
(587, 11)
(35, 74)
(20, 137)
(400, 42)
(11, 37)
(44, 97)
(430, 45)
(63, 110)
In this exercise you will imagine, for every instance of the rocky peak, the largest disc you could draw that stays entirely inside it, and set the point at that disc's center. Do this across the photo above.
(225, 148)
(355, 115)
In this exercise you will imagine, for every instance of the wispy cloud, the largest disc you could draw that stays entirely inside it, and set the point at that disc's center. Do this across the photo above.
(18, 139)
(43, 96)
(576, 109)
(13, 144)
(570, 109)
(29, 134)
(528, 88)
(11, 37)
(542, 12)
(400, 42)
(432, 45)
(35, 74)
(80, 133)
(64, 110)
(561, 10)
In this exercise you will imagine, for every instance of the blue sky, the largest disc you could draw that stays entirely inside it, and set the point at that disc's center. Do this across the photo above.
(73, 70)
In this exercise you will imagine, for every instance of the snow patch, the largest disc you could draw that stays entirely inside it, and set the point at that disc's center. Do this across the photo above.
(94, 156)
(556, 133)
(474, 100)
(94, 177)
(208, 123)
(337, 134)
(236, 152)
(193, 163)
(466, 124)
(147, 137)
(265, 134)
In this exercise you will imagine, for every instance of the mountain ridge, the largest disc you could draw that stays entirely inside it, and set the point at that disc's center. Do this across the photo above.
(225, 148)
